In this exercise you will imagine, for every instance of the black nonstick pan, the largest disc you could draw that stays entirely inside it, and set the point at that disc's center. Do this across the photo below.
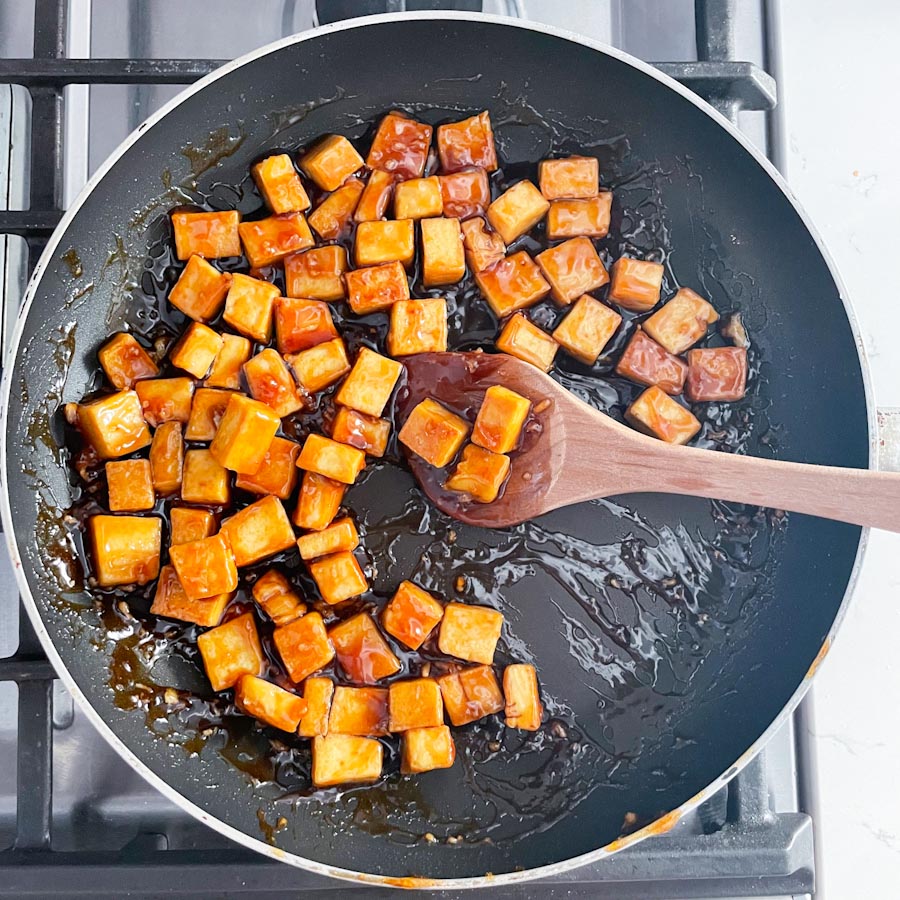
(671, 636)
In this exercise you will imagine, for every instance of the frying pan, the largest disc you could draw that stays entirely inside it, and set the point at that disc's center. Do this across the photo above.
(671, 636)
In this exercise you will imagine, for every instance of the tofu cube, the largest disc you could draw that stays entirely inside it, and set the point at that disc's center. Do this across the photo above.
(500, 419)
(362, 652)
(425, 749)
(645, 362)
(573, 268)
(320, 366)
(316, 274)
(332, 216)
(400, 146)
(415, 703)
(479, 473)
(124, 361)
(270, 382)
(204, 481)
(266, 241)
(523, 701)
(114, 425)
(376, 288)
(575, 177)
(433, 432)
(470, 632)
(248, 306)
(345, 759)
(370, 383)
(318, 502)
(226, 370)
(317, 693)
(417, 326)
(467, 143)
(171, 602)
(465, 193)
(366, 433)
(576, 218)
(411, 615)
(359, 710)
(375, 198)
(280, 185)
(205, 568)
(187, 524)
(269, 703)
(301, 324)
(244, 434)
(338, 577)
(207, 409)
(483, 248)
(513, 283)
(130, 484)
(165, 399)
(340, 535)
(657, 414)
(303, 646)
(443, 255)
(524, 340)
(384, 242)
(125, 549)
(277, 599)
(331, 459)
(587, 329)
(517, 211)
(471, 694)
(278, 473)
(718, 373)
(330, 162)
(196, 349)
(200, 290)
(418, 198)
(230, 651)
(681, 322)
(211, 235)
(636, 283)
(259, 530)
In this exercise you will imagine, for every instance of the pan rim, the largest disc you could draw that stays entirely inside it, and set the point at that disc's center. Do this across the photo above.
(662, 824)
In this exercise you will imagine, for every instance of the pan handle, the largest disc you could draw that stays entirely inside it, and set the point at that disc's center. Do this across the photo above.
(888, 456)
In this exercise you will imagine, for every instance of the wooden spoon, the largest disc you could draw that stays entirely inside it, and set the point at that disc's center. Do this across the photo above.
(571, 452)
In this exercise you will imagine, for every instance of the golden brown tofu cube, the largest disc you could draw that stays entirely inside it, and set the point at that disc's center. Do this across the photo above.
(573, 268)
(124, 361)
(572, 178)
(338, 577)
(317, 693)
(682, 322)
(433, 432)
(517, 211)
(320, 366)
(483, 248)
(248, 306)
(717, 373)
(467, 143)
(577, 218)
(278, 600)
(512, 283)
(362, 652)
(331, 459)
(207, 409)
(375, 198)
(200, 290)
(500, 419)
(370, 383)
(301, 324)
(411, 615)
(280, 185)
(465, 193)
(316, 274)
(171, 602)
(425, 749)
(165, 399)
(204, 481)
(479, 473)
(417, 326)
(266, 241)
(443, 255)
(331, 161)
(587, 329)
(359, 710)
(376, 288)
(366, 433)
(523, 701)
(524, 340)
(114, 425)
(384, 242)
(167, 458)
(415, 703)
(636, 283)
(269, 703)
(318, 502)
(470, 632)
(125, 549)
(278, 473)
(333, 214)
(205, 568)
(340, 535)
(259, 530)
(208, 234)
(244, 434)
(230, 651)
(645, 362)
(187, 524)
(226, 370)
(269, 381)
(130, 484)
(303, 646)
(657, 414)
(345, 759)
(196, 349)
(418, 198)
(400, 146)
(471, 694)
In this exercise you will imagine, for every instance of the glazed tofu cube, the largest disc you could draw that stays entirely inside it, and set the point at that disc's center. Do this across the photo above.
(171, 602)
(270, 382)
(417, 326)
(280, 185)
(500, 419)
(340, 535)
(248, 306)
(657, 414)
(517, 211)
(338, 577)
(226, 370)
(400, 146)
(376, 288)
(331, 459)
(333, 214)
(470, 632)
(330, 162)
(572, 178)
(467, 143)
(587, 329)
(317, 693)
(443, 255)
(269, 703)
(411, 615)
(205, 567)
(479, 473)
(124, 361)
(204, 481)
(576, 218)
(366, 433)
(645, 362)
(230, 651)
(316, 274)
(375, 198)
(465, 193)
(187, 524)
(359, 710)
(345, 759)
(718, 373)
(266, 241)
(370, 383)
(682, 322)
(278, 473)
(524, 340)
(384, 242)
(433, 432)
(165, 399)
(425, 749)
(130, 484)
(513, 283)
(301, 324)
(362, 652)
(114, 425)
(125, 549)
(471, 694)
(483, 248)
(277, 599)
(196, 349)
(207, 409)
(200, 290)
(318, 502)
(573, 268)
(523, 701)
(208, 234)
(415, 703)
(636, 283)
(320, 366)
(418, 198)
(244, 434)
(303, 646)
(259, 530)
